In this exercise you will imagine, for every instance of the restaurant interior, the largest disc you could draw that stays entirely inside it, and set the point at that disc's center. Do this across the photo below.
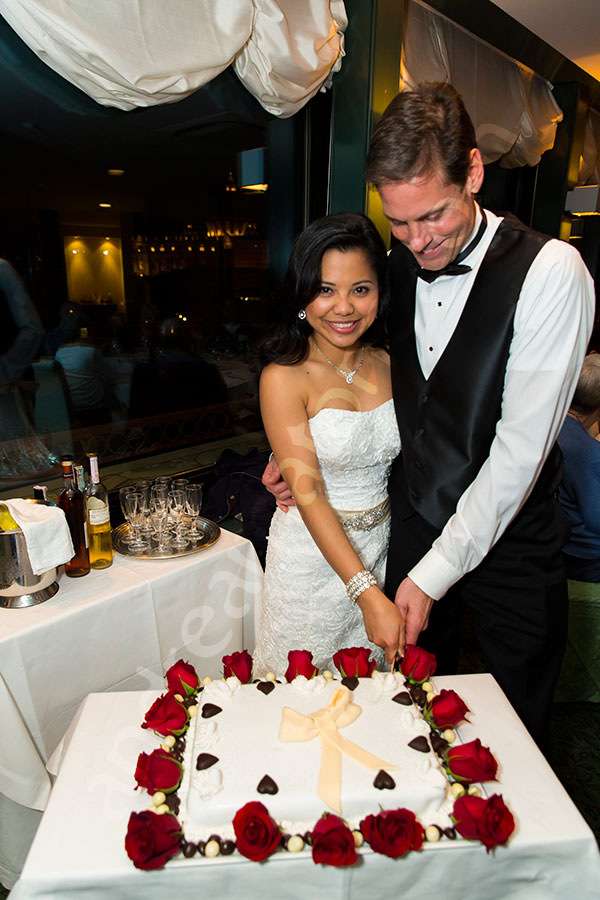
(149, 215)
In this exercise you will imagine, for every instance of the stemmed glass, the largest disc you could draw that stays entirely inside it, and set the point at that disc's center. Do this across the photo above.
(159, 512)
(128, 489)
(134, 513)
(143, 488)
(176, 504)
(193, 502)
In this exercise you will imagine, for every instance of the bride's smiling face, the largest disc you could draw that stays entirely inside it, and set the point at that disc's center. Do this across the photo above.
(347, 302)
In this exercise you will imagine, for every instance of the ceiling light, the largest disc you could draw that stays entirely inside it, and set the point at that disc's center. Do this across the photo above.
(105, 205)
(116, 171)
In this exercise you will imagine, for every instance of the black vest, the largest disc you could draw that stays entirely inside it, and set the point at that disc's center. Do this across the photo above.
(447, 422)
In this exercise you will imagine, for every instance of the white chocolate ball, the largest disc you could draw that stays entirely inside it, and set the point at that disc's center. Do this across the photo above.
(295, 843)
(207, 680)
(427, 686)
(358, 838)
(163, 808)
(270, 676)
(212, 849)
(170, 740)
(432, 834)
(178, 697)
(449, 735)
(158, 798)
(193, 711)
(327, 675)
(457, 789)
(474, 791)
(430, 696)
(166, 747)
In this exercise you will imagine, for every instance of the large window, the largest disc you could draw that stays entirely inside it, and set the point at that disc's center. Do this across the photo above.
(136, 279)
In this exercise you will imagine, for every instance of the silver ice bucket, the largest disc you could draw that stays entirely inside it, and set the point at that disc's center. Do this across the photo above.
(19, 587)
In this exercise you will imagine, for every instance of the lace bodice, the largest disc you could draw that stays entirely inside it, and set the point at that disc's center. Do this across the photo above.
(355, 452)
(304, 604)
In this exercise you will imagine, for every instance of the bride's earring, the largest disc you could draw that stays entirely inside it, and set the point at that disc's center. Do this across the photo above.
(302, 314)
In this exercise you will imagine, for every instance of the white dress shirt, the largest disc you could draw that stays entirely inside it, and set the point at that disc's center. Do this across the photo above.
(552, 326)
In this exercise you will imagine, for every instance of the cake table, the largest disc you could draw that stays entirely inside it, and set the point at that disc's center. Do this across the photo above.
(78, 851)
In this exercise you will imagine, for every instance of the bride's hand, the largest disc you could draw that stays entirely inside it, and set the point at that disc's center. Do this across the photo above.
(384, 623)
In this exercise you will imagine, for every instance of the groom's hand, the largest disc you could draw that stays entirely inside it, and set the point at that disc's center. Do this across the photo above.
(274, 483)
(415, 605)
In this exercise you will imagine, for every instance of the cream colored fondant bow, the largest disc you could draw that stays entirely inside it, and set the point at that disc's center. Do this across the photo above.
(339, 712)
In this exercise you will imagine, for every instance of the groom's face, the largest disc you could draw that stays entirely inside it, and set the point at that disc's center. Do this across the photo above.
(432, 217)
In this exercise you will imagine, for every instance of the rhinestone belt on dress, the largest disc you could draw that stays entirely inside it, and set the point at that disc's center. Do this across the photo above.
(366, 519)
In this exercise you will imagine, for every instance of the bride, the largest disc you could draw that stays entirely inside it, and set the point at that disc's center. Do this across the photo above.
(325, 395)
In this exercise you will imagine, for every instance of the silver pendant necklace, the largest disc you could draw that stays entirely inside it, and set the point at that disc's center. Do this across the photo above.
(349, 376)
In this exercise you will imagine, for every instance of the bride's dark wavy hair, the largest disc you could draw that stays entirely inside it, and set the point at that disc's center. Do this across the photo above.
(287, 343)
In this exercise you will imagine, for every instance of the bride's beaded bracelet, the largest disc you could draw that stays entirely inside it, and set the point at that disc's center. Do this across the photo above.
(359, 583)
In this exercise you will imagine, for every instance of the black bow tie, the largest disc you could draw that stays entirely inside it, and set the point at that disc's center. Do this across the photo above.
(454, 267)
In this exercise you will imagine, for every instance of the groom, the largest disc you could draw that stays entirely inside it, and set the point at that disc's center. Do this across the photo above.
(488, 329)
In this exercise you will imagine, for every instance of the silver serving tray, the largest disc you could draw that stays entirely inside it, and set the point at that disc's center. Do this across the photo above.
(210, 535)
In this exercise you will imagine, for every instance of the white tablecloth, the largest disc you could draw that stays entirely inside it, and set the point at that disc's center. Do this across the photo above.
(117, 629)
(79, 849)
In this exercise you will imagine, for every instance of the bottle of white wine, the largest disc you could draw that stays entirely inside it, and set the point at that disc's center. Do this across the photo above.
(98, 519)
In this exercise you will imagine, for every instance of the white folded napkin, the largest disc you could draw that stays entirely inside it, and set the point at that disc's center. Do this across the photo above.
(46, 534)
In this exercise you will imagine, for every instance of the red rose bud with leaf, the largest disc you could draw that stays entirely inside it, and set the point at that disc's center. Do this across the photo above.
(446, 710)
(483, 819)
(256, 833)
(182, 679)
(238, 664)
(393, 832)
(417, 665)
(471, 762)
(166, 716)
(333, 842)
(300, 663)
(354, 661)
(152, 839)
(158, 771)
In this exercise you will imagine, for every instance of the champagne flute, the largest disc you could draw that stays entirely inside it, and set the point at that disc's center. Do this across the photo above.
(159, 512)
(193, 502)
(134, 512)
(128, 489)
(176, 503)
(143, 488)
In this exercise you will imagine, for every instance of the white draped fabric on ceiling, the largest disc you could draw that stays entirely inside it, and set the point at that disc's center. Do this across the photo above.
(513, 109)
(131, 53)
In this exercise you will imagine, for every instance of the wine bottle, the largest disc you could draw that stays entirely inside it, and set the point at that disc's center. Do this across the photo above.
(72, 503)
(98, 519)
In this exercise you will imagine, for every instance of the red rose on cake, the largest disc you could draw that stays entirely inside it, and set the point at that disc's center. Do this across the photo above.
(158, 771)
(393, 832)
(417, 664)
(471, 762)
(152, 839)
(333, 842)
(238, 664)
(166, 716)
(256, 833)
(486, 820)
(182, 679)
(300, 663)
(354, 661)
(446, 710)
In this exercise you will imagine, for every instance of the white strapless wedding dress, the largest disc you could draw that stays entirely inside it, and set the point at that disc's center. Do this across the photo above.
(305, 606)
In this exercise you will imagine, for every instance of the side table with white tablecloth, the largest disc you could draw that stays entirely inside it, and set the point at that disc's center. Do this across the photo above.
(79, 849)
(117, 629)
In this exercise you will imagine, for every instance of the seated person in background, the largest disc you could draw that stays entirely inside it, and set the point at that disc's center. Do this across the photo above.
(580, 488)
(86, 371)
(175, 380)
